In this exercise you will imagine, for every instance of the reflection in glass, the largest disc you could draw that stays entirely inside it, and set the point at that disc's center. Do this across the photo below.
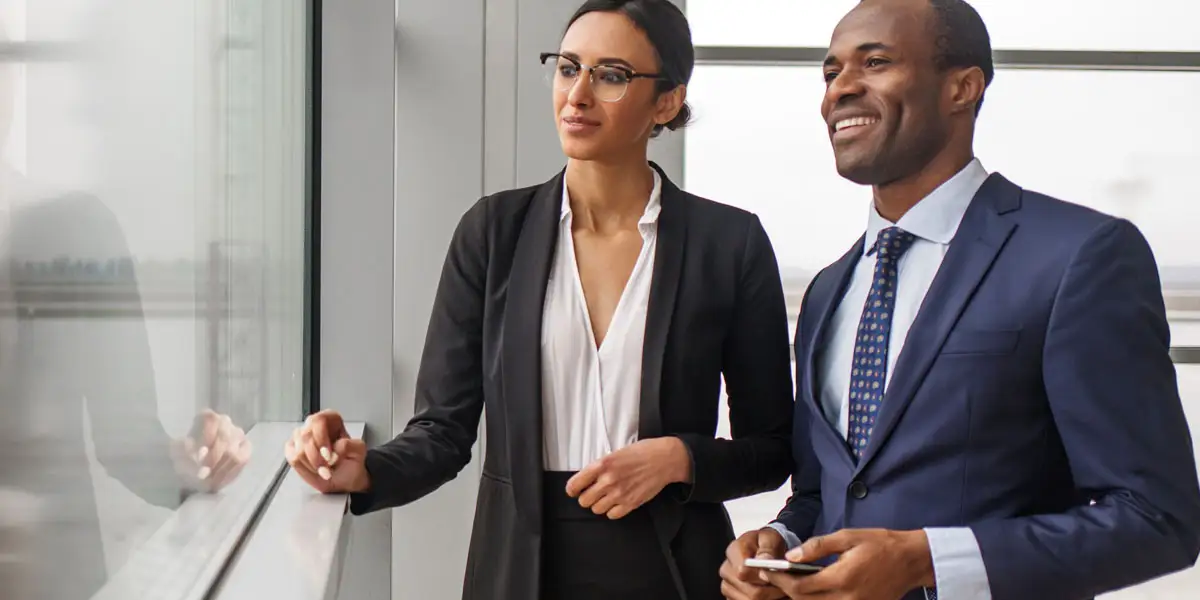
(1166, 25)
(1086, 137)
(151, 267)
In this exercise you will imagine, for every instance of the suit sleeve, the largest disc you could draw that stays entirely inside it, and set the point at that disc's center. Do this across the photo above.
(436, 443)
(1113, 394)
(799, 516)
(755, 365)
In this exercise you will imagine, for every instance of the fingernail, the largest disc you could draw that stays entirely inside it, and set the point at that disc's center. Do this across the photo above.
(795, 555)
(763, 576)
(324, 473)
(204, 473)
(325, 454)
(201, 453)
(333, 458)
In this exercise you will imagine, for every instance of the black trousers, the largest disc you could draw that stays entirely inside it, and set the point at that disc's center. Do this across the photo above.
(591, 557)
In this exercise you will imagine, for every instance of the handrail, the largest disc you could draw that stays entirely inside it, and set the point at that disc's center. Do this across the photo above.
(1185, 355)
(182, 558)
(296, 548)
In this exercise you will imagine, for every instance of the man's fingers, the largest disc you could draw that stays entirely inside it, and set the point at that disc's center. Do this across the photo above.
(823, 546)
(770, 544)
(731, 592)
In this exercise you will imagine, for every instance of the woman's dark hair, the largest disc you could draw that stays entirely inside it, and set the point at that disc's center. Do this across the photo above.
(669, 34)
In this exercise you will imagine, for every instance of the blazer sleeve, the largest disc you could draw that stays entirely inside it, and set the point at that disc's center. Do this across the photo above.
(436, 443)
(803, 508)
(1113, 394)
(756, 364)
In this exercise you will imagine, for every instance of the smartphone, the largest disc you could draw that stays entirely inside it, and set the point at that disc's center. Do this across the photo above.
(783, 566)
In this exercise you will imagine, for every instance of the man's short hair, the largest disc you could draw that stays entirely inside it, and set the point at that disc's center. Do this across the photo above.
(961, 40)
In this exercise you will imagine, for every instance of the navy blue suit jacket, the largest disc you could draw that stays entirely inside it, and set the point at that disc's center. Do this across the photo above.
(1034, 401)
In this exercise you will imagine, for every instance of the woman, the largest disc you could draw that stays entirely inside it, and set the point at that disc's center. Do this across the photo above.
(593, 316)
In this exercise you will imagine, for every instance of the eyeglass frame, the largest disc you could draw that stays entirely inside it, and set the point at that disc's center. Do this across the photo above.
(630, 73)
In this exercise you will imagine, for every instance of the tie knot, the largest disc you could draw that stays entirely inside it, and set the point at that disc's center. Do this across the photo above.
(892, 242)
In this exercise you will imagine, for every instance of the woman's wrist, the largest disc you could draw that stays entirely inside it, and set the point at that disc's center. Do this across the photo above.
(681, 461)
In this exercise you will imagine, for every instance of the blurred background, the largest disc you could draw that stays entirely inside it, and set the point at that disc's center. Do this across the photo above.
(152, 197)
(241, 206)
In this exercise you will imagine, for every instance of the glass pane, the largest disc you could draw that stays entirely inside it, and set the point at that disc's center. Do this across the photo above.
(759, 143)
(1013, 24)
(152, 209)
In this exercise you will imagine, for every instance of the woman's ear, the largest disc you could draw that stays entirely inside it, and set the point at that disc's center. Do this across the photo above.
(669, 104)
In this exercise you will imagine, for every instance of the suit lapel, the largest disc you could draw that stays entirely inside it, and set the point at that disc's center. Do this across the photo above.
(522, 335)
(980, 237)
(826, 299)
(664, 285)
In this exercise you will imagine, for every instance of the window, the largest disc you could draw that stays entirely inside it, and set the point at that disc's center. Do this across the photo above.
(1121, 141)
(1159, 25)
(152, 238)
(1096, 147)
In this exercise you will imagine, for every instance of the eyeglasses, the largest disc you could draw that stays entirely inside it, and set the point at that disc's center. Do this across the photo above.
(609, 82)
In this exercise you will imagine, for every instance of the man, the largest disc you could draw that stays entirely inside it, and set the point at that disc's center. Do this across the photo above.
(985, 406)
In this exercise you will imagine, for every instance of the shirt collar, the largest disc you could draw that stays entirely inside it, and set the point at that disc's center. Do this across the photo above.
(649, 216)
(937, 216)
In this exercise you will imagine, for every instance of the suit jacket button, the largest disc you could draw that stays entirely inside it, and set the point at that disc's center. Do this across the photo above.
(858, 490)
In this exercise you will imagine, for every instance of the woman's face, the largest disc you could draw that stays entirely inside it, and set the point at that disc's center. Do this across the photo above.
(595, 120)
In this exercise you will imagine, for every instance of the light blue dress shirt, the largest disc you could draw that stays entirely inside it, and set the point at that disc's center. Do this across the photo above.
(957, 562)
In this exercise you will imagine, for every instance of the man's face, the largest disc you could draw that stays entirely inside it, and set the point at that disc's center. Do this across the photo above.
(883, 95)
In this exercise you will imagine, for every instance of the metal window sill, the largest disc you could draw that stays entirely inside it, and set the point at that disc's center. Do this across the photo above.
(255, 536)
(296, 547)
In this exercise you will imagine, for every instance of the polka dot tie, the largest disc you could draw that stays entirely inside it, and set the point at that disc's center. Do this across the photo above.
(869, 373)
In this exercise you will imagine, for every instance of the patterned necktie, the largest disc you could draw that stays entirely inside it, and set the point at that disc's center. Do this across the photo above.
(869, 372)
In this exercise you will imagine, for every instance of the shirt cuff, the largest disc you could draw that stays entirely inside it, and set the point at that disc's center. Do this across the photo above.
(790, 538)
(958, 564)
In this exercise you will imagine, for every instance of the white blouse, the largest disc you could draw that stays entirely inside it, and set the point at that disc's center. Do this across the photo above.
(591, 396)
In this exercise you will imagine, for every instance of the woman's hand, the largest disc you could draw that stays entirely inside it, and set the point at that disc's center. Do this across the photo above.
(324, 455)
(619, 483)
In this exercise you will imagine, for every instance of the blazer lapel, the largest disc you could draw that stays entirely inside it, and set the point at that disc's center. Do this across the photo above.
(826, 299)
(522, 335)
(664, 285)
(981, 235)
(666, 515)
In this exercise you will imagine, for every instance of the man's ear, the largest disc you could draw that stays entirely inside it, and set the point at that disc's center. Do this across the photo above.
(966, 89)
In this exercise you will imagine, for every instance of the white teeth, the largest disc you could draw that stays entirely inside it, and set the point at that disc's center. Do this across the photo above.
(854, 122)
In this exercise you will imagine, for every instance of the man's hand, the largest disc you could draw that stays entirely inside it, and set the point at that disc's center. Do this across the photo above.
(213, 455)
(739, 582)
(873, 563)
(619, 483)
(326, 457)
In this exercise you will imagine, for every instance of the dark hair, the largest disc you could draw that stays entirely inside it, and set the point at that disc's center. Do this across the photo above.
(669, 34)
(961, 40)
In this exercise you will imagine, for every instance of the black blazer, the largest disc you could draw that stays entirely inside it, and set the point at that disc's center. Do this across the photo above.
(716, 307)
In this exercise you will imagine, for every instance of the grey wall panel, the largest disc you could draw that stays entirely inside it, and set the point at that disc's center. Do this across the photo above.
(358, 107)
(439, 175)
(500, 91)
